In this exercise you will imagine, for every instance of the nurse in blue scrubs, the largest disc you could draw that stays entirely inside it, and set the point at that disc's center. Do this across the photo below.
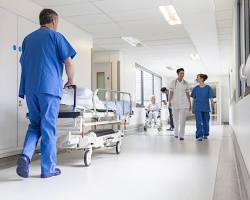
(201, 94)
(45, 52)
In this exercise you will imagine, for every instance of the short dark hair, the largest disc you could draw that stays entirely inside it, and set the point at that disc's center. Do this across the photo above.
(179, 70)
(163, 89)
(204, 77)
(47, 16)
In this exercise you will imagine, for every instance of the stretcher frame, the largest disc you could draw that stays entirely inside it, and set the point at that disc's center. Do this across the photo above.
(73, 135)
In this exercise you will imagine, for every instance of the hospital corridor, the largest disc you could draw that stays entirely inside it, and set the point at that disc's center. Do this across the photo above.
(125, 100)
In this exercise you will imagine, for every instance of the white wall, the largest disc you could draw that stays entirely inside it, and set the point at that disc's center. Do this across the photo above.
(128, 84)
(165, 81)
(239, 109)
(108, 57)
(240, 122)
(128, 75)
(80, 40)
(223, 82)
(82, 43)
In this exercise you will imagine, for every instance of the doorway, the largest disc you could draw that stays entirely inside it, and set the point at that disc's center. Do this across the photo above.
(215, 106)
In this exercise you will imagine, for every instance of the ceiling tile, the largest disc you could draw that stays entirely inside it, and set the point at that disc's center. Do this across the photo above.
(57, 2)
(121, 5)
(114, 40)
(142, 26)
(135, 15)
(179, 32)
(108, 20)
(180, 41)
(76, 9)
(89, 19)
(103, 30)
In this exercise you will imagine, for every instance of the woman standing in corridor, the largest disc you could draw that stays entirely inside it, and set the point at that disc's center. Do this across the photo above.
(201, 94)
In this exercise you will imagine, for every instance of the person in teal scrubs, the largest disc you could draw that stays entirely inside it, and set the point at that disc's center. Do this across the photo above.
(201, 94)
(45, 52)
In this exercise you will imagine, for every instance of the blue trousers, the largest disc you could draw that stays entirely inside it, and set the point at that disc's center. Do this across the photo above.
(43, 114)
(202, 123)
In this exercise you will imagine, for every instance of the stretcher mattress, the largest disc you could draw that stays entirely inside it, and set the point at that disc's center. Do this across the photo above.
(84, 100)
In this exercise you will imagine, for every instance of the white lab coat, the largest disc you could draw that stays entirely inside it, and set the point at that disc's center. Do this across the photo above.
(180, 105)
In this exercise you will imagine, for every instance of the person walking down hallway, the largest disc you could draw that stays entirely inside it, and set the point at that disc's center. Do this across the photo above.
(171, 121)
(201, 95)
(44, 54)
(179, 101)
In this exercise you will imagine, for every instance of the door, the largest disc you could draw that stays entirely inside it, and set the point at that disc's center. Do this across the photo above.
(25, 27)
(101, 80)
(101, 83)
(8, 80)
(102, 70)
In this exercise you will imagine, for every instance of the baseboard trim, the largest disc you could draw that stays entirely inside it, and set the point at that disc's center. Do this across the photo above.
(244, 178)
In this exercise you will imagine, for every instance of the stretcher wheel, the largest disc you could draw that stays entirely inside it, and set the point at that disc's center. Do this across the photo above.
(87, 157)
(118, 147)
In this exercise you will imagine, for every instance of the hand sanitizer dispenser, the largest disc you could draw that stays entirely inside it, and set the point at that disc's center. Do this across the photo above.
(245, 72)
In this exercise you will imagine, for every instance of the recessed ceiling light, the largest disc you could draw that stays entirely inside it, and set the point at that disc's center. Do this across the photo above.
(132, 41)
(170, 14)
(195, 56)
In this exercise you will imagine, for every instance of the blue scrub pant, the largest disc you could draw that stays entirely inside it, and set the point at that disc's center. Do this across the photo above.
(202, 123)
(43, 114)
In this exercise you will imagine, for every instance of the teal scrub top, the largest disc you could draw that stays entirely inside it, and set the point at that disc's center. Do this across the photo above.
(42, 62)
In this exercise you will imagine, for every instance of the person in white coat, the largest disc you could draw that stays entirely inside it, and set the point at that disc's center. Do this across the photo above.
(179, 101)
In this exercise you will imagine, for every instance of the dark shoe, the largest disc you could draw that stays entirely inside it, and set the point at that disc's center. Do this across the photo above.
(205, 137)
(23, 163)
(181, 138)
(170, 129)
(176, 136)
(56, 173)
(199, 139)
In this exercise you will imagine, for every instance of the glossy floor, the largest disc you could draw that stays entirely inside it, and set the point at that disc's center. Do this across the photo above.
(152, 166)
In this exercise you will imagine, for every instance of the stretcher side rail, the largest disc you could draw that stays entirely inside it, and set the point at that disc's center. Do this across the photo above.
(118, 93)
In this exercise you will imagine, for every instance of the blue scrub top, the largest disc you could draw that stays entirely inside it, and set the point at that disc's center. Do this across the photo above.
(201, 97)
(42, 61)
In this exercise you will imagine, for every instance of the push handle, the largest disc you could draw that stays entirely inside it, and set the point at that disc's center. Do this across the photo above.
(74, 87)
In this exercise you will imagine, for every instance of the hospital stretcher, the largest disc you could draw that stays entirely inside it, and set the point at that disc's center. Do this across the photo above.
(74, 121)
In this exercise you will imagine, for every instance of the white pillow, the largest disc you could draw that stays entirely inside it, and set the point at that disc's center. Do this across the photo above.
(83, 98)
(81, 93)
(84, 93)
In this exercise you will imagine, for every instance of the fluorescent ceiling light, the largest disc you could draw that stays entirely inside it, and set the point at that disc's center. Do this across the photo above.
(195, 56)
(169, 68)
(170, 14)
(132, 41)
